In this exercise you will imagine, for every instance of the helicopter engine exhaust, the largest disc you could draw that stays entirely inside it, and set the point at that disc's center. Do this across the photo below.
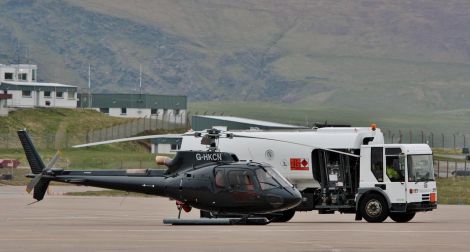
(163, 160)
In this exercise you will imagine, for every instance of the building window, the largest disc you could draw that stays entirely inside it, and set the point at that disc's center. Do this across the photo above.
(8, 76)
(177, 112)
(123, 111)
(175, 147)
(59, 94)
(104, 110)
(48, 103)
(23, 76)
(47, 93)
(26, 93)
(153, 111)
(33, 75)
(71, 95)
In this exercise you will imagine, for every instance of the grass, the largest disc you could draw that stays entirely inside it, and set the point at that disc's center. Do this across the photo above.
(51, 120)
(104, 157)
(454, 191)
(54, 127)
(303, 114)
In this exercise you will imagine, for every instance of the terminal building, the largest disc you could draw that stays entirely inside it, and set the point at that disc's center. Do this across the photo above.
(19, 82)
(164, 107)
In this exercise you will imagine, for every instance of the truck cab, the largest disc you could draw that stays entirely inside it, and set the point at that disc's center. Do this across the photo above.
(395, 180)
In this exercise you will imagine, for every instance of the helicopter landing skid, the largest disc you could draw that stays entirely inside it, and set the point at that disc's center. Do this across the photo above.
(218, 221)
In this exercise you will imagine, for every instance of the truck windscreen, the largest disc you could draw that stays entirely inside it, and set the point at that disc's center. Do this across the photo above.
(420, 168)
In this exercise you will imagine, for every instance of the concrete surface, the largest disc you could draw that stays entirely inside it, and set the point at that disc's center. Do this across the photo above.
(65, 223)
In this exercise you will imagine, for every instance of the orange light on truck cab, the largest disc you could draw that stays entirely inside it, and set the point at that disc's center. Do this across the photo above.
(373, 126)
(433, 197)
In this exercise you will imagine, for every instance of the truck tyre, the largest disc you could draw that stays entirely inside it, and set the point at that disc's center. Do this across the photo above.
(402, 217)
(284, 216)
(374, 208)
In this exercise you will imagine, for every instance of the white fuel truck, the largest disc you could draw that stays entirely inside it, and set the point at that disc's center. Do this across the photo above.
(349, 170)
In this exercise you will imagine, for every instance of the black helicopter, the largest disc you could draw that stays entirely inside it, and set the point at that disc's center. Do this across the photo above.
(209, 180)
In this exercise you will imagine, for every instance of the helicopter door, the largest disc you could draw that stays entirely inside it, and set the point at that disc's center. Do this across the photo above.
(219, 179)
(242, 186)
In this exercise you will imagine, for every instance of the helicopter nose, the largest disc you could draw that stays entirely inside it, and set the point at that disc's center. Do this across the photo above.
(294, 199)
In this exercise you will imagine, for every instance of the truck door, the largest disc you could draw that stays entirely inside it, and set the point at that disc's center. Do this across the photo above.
(395, 175)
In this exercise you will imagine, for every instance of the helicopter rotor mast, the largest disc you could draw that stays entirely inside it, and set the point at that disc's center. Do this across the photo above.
(211, 137)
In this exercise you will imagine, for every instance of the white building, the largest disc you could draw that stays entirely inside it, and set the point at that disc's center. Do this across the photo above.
(21, 72)
(36, 94)
(169, 108)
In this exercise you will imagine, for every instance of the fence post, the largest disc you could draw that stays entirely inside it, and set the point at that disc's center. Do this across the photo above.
(447, 169)
(465, 172)
(455, 172)
(432, 139)
(443, 143)
(454, 141)
(438, 168)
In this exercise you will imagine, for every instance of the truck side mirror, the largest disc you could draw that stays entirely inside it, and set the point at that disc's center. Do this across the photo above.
(402, 160)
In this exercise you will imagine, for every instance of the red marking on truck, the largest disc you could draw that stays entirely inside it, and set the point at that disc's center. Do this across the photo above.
(299, 164)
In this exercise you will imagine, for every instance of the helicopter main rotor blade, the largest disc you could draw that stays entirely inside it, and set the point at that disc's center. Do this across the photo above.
(127, 140)
(38, 177)
(305, 145)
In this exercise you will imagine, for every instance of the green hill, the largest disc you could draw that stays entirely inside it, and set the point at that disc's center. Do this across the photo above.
(54, 127)
(396, 57)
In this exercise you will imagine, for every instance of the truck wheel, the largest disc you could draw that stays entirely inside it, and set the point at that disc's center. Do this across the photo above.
(402, 217)
(374, 208)
(284, 216)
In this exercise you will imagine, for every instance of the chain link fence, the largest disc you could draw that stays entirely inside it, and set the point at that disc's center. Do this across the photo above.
(451, 168)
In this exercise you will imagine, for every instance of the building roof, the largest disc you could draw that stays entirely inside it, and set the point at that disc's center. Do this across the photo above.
(233, 122)
(36, 84)
(31, 66)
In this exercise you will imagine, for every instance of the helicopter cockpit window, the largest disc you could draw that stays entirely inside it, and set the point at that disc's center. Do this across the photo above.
(266, 180)
(241, 180)
(277, 176)
(219, 179)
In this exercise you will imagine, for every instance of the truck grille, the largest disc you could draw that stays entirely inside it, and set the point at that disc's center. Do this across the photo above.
(425, 197)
